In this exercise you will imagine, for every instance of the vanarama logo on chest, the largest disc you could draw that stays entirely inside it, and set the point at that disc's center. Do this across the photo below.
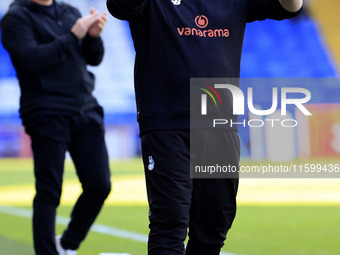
(202, 22)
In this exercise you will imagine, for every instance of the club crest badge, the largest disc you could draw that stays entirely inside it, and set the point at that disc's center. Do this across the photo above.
(151, 165)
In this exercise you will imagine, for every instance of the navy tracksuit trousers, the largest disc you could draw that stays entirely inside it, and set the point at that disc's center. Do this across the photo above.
(177, 202)
(83, 136)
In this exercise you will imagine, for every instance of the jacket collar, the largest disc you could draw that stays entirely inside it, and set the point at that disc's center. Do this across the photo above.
(36, 7)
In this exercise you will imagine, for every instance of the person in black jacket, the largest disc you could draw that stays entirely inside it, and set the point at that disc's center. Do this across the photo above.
(176, 40)
(50, 45)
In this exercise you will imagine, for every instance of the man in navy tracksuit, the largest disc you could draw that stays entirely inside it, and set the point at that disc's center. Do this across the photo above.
(176, 40)
(50, 46)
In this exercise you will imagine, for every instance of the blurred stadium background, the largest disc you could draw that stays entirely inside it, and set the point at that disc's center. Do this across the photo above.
(305, 47)
(276, 217)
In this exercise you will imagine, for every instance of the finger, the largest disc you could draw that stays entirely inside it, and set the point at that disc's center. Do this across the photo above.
(92, 10)
(101, 26)
(91, 16)
(104, 16)
(90, 19)
(96, 23)
(102, 20)
(95, 13)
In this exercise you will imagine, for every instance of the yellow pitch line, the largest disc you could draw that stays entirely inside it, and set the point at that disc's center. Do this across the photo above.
(131, 191)
(126, 190)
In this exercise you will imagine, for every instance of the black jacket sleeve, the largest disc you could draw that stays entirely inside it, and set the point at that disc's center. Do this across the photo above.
(125, 9)
(267, 9)
(18, 39)
(93, 50)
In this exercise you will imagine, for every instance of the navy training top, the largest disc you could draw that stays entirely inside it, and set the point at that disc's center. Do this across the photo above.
(176, 40)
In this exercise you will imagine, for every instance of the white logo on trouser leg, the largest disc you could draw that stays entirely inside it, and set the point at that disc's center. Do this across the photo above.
(152, 163)
(176, 2)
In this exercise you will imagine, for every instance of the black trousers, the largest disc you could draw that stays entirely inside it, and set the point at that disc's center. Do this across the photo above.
(83, 137)
(177, 202)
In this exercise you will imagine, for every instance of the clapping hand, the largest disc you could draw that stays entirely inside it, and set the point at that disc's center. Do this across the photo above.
(93, 24)
(98, 26)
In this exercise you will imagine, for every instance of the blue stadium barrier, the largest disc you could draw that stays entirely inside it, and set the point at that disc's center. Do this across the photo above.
(6, 68)
(286, 49)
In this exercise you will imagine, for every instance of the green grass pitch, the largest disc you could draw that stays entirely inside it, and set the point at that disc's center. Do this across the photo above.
(311, 228)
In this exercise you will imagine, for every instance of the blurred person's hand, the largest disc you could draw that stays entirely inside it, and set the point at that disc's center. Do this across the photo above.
(98, 26)
(82, 25)
(291, 5)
